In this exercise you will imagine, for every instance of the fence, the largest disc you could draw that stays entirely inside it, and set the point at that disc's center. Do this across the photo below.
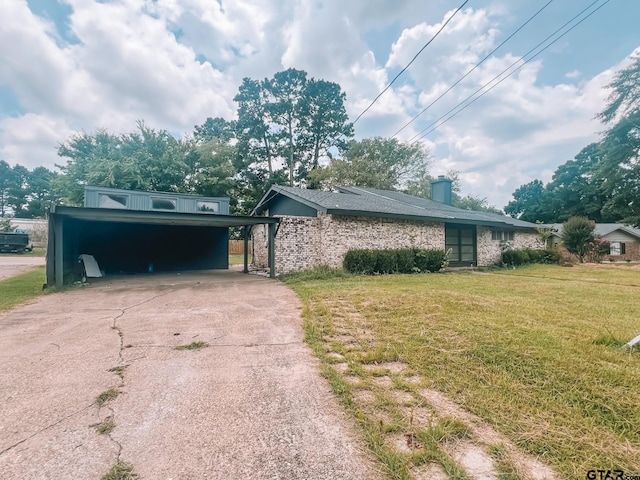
(237, 246)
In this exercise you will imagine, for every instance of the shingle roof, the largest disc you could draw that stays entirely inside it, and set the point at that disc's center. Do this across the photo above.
(385, 203)
(602, 229)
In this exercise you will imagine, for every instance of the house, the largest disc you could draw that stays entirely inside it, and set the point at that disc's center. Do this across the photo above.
(135, 232)
(319, 228)
(624, 241)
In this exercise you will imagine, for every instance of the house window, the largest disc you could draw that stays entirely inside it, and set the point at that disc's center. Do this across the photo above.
(163, 204)
(208, 207)
(617, 248)
(502, 235)
(109, 200)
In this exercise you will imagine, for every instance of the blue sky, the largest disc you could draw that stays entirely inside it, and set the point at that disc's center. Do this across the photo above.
(77, 65)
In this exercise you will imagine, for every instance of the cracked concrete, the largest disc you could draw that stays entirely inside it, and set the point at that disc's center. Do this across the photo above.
(250, 405)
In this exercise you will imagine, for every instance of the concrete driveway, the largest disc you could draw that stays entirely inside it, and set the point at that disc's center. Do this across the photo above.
(251, 405)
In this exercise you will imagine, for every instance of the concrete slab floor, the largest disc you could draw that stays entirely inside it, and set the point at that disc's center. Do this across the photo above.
(251, 404)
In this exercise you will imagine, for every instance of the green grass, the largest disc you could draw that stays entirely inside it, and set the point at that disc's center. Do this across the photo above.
(36, 252)
(237, 259)
(192, 346)
(21, 288)
(106, 426)
(536, 352)
(120, 471)
(106, 397)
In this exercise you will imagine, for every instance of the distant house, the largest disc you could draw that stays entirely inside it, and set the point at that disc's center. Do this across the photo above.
(319, 228)
(624, 241)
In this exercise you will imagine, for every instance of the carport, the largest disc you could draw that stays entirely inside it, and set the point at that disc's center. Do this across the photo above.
(132, 241)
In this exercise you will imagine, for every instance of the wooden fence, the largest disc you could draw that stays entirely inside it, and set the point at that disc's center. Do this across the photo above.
(237, 246)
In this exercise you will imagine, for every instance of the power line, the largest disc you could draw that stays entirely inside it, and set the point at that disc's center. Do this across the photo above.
(412, 60)
(473, 69)
(461, 106)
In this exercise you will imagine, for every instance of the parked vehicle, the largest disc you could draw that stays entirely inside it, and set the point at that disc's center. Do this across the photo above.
(15, 242)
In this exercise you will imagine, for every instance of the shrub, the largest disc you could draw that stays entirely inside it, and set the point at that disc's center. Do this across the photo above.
(429, 260)
(386, 261)
(364, 261)
(360, 261)
(578, 233)
(404, 260)
(516, 258)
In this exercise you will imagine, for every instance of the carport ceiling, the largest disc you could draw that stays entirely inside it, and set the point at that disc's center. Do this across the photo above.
(160, 218)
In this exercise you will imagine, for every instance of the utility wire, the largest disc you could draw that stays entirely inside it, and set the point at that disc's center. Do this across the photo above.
(461, 106)
(412, 60)
(473, 69)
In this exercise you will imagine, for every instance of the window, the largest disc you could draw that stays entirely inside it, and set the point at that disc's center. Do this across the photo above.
(502, 235)
(208, 207)
(109, 200)
(163, 204)
(617, 248)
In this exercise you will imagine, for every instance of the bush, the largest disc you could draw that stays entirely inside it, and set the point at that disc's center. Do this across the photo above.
(386, 261)
(360, 261)
(406, 260)
(516, 258)
(429, 260)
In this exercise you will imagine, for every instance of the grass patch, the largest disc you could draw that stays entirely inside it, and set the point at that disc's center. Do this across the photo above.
(119, 370)
(121, 471)
(21, 288)
(322, 272)
(526, 350)
(106, 426)
(192, 346)
(106, 396)
(237, 259)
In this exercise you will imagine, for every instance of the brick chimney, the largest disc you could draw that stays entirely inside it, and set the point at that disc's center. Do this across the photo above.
(441, 190)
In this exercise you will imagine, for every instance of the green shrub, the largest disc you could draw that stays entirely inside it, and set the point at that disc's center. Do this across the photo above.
(404, 260)
(367, 262)
(516, 258)
(386, 261)
(360, 261)
(429, 260)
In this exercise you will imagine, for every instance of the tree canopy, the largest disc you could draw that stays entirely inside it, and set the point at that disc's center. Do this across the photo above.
(602, 182)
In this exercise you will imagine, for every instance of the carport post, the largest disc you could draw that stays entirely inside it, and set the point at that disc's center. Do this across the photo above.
(59, 249)
(246, 249)
(272, 250)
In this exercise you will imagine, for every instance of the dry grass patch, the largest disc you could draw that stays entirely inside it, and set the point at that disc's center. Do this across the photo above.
(534, 353)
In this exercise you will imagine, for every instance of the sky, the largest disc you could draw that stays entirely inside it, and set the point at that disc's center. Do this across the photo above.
(69, 66)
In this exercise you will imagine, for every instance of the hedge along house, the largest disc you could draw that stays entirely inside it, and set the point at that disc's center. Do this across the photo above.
(135, 232)
(319, 228)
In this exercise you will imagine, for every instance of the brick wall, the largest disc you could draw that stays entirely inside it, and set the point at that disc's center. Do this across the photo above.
(307, 242)
(490, 251)
(632, 253)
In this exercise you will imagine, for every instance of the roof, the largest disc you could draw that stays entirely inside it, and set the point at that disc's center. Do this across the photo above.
(158, 218)
(357, 201)
(602, 229)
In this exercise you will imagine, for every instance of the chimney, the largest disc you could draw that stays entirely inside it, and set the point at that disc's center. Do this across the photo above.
(441, 190)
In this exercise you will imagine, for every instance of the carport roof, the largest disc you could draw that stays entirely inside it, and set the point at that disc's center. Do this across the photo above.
(159, 218)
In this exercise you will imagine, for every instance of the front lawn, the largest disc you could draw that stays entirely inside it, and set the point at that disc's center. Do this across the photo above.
(536, 353)
(21, 288)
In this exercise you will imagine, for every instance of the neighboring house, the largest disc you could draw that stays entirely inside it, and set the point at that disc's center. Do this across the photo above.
(319, 228)
(624, 241)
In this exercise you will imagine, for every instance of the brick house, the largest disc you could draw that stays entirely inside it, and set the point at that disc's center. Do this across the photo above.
(318, 227)
(624, 241)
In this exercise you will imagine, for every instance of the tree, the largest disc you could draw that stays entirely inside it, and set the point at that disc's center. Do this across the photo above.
(5, 185)
(527, 203)
(146, 159)
(578, 235)
(290, 121)
(216, 127)
(620, 168)
(383, 163)
(478, 204)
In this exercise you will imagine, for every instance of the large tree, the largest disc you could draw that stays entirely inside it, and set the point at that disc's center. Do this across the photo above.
(620, 166)
(528, 203)
(378, 162)
(289, 123)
